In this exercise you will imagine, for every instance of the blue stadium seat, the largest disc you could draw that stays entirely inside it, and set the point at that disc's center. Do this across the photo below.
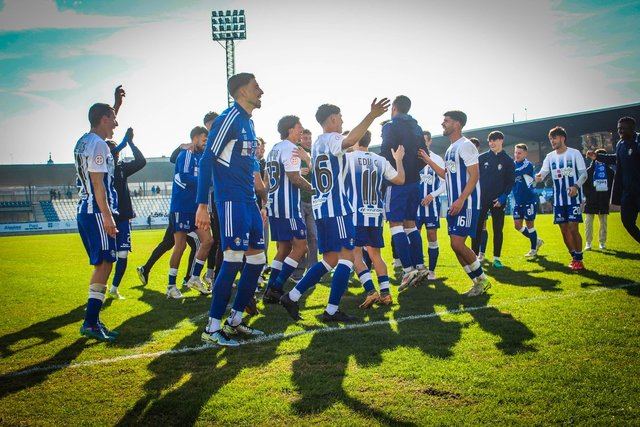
(49, 212)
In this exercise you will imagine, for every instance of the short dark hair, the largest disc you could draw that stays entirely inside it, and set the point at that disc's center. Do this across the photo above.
(402, 103)
(210, 116)
(261, 141)
(97, 112)
(426, 133)
(475, 142)
(286, 123)
(237, 81)
(306, 132)
(458, 116)
(496, 134)
(365, 140)
(326, 110)
(197, 131)
(558, 131)
(522, 147)
(629, 120)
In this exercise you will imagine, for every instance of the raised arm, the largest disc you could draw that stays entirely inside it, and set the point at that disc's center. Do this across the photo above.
(398, 155)
(378, 108)
(440, 171)
(138, 161)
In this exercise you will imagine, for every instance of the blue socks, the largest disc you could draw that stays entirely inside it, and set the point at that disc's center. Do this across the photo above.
(365, 279)
(474, 270)
(383, 282)
(222, 288)
(121, 267)
(196, 270)
(288, 267)
(248, 281)
(276, 267)
(434, 251)
(533, 237)
(340, 281)
(312, 276)
(173, 273)
(401, 242)
(94, 304)
(415, 244)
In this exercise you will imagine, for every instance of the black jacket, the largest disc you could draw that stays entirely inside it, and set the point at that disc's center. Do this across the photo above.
(124, 170)
(497, 176)
(597, 202)
(404, 130)
(626, 182)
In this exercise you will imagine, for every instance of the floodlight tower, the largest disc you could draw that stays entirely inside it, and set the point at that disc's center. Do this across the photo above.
(229, 25)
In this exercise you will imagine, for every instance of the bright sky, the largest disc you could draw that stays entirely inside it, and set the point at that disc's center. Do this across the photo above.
(491, 59)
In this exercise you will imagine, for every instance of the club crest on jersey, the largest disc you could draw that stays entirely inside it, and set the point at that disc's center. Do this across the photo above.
(451, 166)
(500, 167)
(630, 151)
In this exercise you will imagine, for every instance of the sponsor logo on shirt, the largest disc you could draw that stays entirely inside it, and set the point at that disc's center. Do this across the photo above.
(370, 211)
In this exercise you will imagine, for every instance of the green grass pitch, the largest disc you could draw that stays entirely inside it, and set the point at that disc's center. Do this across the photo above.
(545, 346)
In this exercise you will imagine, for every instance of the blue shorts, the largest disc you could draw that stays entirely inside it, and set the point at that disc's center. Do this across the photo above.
(369, 236)
(99, 246)
(464, 224)
(287, 229)
(335, 233)
(430, 222)
(402, 201)
(526, 212)
(183, 222)
(567, 213)
(240, 225)
(123, 238)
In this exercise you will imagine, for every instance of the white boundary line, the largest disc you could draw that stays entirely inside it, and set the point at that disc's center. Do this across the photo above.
(282, 336)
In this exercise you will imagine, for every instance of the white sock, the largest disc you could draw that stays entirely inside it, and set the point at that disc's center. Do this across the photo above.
(331, 309)
(294, 295)
(235, 318)
(213, 325)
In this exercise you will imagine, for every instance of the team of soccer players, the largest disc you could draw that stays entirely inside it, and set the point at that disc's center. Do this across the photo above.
(353, 192)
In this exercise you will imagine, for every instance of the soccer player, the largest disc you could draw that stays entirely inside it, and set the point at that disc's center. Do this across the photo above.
(431, 187)
(626, 183)
(288, 229)
(98, 202)
(402, 201)
(597, 194)
(182, 215)
(525, 199)
(367, 171)
(123, 170)
(332, 210)
(496, 181)
(568, 173)
(461, 174)
(230, 159)
(484, 236)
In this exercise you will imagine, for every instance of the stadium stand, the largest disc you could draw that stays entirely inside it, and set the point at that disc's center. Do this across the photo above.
(49, 211)
(143, 206)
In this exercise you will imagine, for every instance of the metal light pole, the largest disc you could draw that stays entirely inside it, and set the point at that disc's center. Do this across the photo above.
(229, 25)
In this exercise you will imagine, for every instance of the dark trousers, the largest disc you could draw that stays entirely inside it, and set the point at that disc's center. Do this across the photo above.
(497, 219)
(215, 254)
(629, 214)
(165, 245)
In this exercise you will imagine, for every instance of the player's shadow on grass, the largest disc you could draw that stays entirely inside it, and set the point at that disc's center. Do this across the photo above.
(182, 384)
(164, 314)
(634, 256)
(602, 280)
(524, 278)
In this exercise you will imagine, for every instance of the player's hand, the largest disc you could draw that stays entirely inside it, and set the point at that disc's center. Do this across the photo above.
(304, 171)
(119, 95)
(496, 203)
(538, 178)
(423, 155)
(591, 154)
(203, 221)
(302, 154)
(129, 135)
(573, 191)
(427, 200)
(109, 225)
(378, 108)
(398, 153)
(456, 207)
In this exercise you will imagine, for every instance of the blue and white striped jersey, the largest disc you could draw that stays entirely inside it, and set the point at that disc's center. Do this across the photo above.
(229, 158)
(329, 174)
(431, 183)
(366, 172)
(92, 154)
(284, 197)
(458, 157)
(523, 193)
(565, 170)
(185, 183)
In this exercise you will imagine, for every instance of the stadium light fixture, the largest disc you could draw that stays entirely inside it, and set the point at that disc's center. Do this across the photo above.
(229, 26)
